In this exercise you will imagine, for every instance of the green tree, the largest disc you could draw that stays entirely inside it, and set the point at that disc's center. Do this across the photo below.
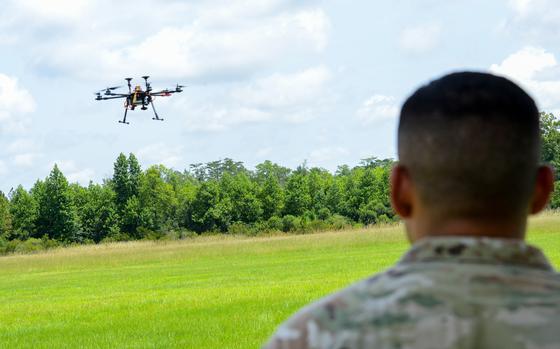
(134, 175)
(158, 201)
(298, 198)
(131, 218)
(550, 139)
(268, 169)
(23, 208)
(56, 214)
(241, 194)
(271, 197)
(319, 181)
(5, 216)
(555, 199)
(120, 181)
(209, 211)
(97, 212)
(127, 176)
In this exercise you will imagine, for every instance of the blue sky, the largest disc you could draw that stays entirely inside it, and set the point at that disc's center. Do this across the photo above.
(283, 80)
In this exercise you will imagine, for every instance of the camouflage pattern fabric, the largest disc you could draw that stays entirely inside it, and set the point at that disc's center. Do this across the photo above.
(444, 293)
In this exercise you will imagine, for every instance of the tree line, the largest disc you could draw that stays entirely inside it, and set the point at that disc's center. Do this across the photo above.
(220, 196)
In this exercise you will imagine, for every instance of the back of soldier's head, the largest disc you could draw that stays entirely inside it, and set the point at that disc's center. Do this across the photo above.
(470, 142)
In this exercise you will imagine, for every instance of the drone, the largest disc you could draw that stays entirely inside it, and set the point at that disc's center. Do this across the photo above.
(137, 97)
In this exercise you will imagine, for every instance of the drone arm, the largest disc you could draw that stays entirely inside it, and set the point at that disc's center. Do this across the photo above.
(163, 93)
(112, 97)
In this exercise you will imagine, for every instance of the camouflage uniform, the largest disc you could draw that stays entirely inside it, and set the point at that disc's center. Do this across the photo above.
(444, 293)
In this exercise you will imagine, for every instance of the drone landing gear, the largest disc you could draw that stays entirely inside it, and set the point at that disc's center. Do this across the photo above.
(123, 121)
(155, 112)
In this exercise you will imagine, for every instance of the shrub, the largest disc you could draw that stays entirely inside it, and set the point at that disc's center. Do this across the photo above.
(324, 213)
(148, 234)
(383, 219)
(239, 228)
(338, 222)
(11, 246)
(555, 199)
(187, 234)
(316, 225)
(275, 223)
(308, 216)
(29, 246)
(49, 243)
(290, 223)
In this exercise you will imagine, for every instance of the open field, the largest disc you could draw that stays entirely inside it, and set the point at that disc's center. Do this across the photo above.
(210, 292)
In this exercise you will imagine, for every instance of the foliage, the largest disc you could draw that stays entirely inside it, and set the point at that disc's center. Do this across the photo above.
(23, 208)
(56, 213)
(5, 216)
(219, 196)
(555, 200)
(550, 136)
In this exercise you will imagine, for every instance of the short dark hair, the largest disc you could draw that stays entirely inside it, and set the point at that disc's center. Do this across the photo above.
(471, 144)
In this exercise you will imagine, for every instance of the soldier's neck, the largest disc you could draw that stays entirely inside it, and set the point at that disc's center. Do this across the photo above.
(504, 228)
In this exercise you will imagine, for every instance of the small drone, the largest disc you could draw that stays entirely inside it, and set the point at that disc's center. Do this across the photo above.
(136, 97)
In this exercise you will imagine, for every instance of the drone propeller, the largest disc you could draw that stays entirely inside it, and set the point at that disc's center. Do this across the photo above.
(107, 89)
(179, 88)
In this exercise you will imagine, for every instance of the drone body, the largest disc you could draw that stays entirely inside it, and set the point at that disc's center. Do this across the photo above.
(137, 97)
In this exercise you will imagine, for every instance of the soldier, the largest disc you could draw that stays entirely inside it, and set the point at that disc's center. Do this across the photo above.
(467, 178)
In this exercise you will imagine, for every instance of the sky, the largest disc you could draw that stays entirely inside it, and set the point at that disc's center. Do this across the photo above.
(281, 80)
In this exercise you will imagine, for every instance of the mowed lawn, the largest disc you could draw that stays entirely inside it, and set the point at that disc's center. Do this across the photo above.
(210, 292)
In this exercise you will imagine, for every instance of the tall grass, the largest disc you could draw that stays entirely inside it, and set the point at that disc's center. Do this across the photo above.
(208, 292)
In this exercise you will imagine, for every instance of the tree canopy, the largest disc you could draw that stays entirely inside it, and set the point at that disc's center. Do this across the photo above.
(219, 196)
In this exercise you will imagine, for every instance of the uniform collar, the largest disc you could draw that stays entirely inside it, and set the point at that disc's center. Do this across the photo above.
(476, 251)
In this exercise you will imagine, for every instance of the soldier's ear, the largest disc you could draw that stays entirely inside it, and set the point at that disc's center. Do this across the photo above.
(544, 186)
(401, 191)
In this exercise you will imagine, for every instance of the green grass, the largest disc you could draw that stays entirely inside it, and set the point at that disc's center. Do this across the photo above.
(210, 292)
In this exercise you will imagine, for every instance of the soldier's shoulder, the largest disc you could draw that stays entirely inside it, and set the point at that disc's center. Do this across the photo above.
(363, 302)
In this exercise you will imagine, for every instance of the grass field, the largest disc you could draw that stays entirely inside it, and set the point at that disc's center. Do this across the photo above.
(210, 292)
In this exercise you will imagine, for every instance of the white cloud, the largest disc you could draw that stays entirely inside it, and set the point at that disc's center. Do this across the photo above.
(378, 108)
(213, 118)
(73, 172)
(25, 159)
(264, 152)
(160, 153)
(534, 20)
(322, 155)
(20, 145)
(24, 152)
(421, 38)
(534, 69)
(15, 102)
(525, 63)
(55, 10)
(202, 48)
(295, 98)
(285, 90)
(522, 7)
(545, 10)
